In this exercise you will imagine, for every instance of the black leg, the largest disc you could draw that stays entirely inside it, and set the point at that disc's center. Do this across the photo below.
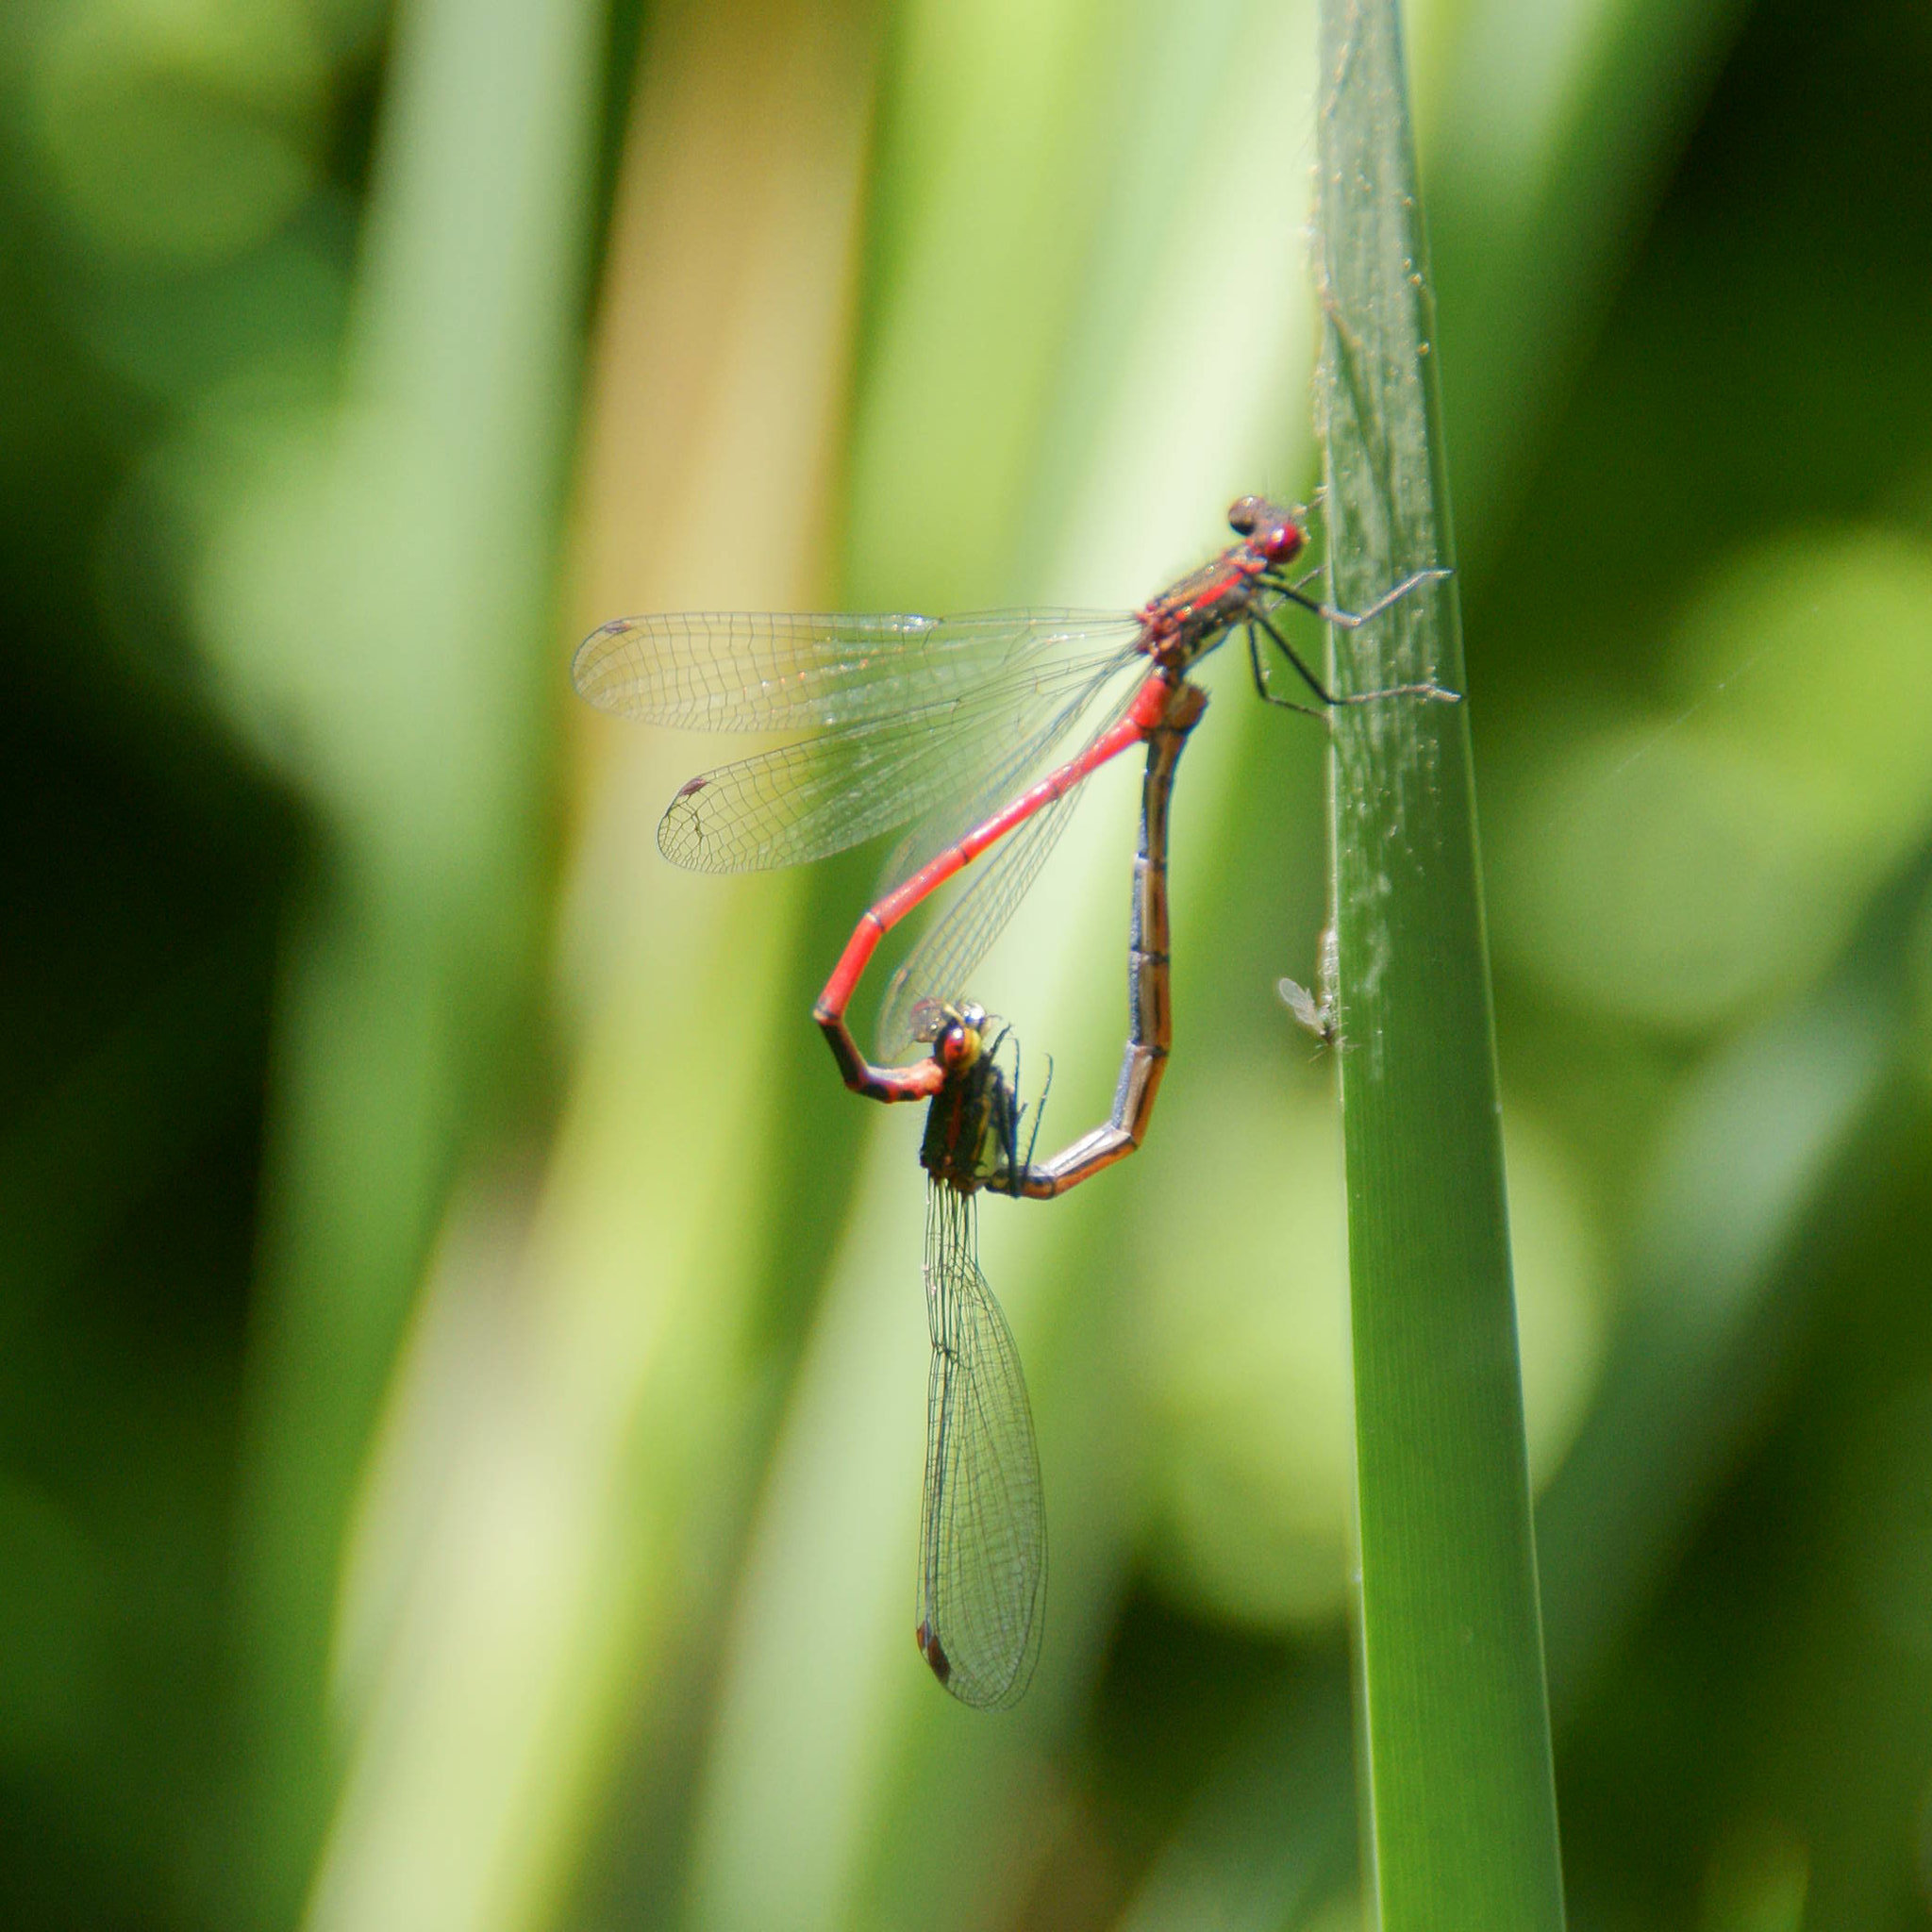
(1261, 671)
(1358, 697)
(1293, 657)
(1040, 1110)
(1354, 620)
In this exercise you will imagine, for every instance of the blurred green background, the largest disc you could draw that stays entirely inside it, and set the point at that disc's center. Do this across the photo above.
(463, 1360)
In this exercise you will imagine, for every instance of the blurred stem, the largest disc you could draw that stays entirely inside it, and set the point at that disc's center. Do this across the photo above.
(389, 603)
(1461, 1801)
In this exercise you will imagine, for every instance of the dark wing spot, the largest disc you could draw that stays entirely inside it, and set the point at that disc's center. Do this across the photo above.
(934, 1652)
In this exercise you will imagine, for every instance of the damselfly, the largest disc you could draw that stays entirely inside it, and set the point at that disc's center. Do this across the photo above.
(982, 1545)
(956, 726)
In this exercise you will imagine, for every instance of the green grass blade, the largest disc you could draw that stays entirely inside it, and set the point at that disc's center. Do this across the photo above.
(1460, 1799)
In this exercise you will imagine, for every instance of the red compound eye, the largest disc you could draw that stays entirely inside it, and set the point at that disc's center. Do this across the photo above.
(1273, 531)
(958, 1046)
(1283, 541)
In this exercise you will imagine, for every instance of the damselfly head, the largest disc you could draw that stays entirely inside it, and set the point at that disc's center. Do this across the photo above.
(959, 1041)
(1270, 529)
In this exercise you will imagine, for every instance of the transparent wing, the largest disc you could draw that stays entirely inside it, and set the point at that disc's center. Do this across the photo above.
(982, 1537)
(940, 966)
(764, 671)
(1020, 759)
(937, 761)
(937, 968)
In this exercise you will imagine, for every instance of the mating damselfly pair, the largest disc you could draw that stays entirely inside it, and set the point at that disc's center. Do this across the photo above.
(958, 729)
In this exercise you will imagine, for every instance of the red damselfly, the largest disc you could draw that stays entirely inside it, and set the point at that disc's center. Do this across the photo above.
(982, 1539)
(956, 726)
